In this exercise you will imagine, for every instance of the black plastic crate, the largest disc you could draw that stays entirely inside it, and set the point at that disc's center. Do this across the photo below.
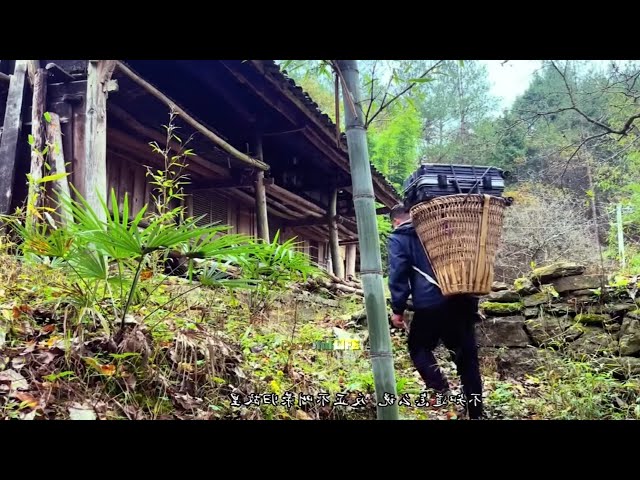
(437, 180)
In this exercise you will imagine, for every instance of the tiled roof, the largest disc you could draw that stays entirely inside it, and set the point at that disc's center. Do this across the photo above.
(273, 68)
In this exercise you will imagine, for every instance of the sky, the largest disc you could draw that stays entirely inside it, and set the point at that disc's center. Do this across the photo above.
(511, 79)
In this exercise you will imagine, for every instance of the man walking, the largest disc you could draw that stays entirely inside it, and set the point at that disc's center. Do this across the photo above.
(436, 317)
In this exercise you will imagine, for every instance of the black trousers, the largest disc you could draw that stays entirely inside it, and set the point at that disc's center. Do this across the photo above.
(454, 324)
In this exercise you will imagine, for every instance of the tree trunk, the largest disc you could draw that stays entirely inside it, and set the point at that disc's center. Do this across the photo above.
(369, 241)
(334, 241)
(594, 208)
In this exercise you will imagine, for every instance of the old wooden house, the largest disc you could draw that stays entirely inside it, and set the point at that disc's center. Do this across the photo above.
(267, 158)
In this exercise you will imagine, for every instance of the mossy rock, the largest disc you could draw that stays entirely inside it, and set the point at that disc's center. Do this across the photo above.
(524, 286)
(592, 318)
(531, 312)
(593, 342)
(501, 309)
(552, 331)
(625, 367)
(504, 296)
(561, 309)
(557, 270)
(499, 286)
(635, 314)
(537, 299)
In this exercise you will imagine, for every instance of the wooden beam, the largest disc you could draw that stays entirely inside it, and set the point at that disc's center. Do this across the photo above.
(249, 200)
(262, 220)
(191, 121)
(336, 261)
(95, 175)
(11, 134)
(290, 197)
(352, 213)
(58, 74)
(38, 78)
(152, 134)
(312, 221)
(214, 83)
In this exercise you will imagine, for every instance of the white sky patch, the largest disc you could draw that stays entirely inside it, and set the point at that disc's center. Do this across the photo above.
(510, 80)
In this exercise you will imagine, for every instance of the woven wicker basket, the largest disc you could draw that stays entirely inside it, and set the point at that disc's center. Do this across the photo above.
(461, 234)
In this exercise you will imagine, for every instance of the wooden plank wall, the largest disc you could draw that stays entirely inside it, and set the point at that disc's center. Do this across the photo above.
(128, 177)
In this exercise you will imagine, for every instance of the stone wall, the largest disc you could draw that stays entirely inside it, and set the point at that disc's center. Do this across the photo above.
(561, 307)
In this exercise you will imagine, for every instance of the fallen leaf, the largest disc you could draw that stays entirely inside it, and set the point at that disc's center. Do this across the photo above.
(28, 416)
(27, 399)
(146, 274)
(30, 347)
(188, 402)
(301, 415)
(101, 409)
(47, 329)
(14, 380)
(18, 362)
(81, 412)
(108, 370)
(45, 358)
(187, 367)
(18, 310)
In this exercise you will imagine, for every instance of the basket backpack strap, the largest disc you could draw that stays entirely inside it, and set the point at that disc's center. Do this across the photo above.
(426, 276)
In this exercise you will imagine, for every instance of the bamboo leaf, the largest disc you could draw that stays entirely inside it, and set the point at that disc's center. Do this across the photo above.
(422, 80)
(47, 117)
(53, 178)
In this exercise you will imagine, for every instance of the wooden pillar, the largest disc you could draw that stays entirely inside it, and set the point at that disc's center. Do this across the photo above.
(351, 260)
(262, 220)
(10, 134)
(38, 80)
(54, 136)
(95, 172)
(334, 242)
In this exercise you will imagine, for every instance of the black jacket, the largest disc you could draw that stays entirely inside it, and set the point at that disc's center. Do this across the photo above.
(405, 251)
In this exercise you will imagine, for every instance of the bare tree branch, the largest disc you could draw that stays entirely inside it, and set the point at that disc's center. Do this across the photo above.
(608, 130)
(385, 103)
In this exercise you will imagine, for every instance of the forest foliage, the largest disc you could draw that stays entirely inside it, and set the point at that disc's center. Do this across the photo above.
(570, 142)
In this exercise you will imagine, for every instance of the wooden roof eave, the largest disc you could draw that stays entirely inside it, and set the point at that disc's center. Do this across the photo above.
(206, 132)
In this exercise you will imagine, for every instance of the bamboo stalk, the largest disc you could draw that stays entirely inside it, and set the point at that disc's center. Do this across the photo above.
(368, 238)
(190, 120)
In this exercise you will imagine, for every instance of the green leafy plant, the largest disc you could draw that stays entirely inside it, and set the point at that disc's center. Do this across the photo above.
(107, 257)
(273, 266)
